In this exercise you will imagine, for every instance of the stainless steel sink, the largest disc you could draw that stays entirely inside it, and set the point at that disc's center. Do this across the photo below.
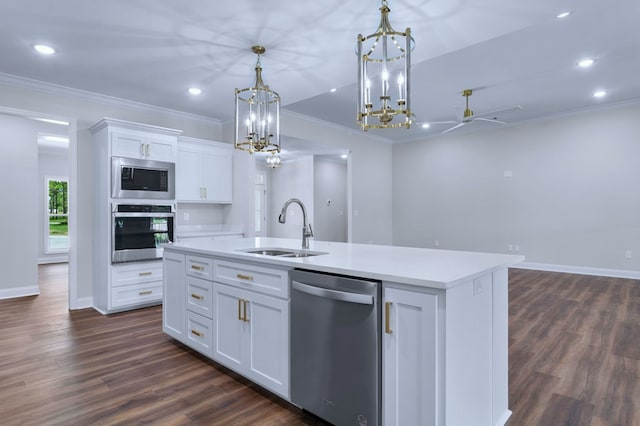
(282, 252)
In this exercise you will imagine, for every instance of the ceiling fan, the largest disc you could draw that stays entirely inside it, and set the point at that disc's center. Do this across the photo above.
(468, 115)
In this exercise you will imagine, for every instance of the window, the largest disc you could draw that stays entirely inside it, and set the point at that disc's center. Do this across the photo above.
(57, 215)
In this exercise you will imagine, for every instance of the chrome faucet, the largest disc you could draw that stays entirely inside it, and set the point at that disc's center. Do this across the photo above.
(306, 227)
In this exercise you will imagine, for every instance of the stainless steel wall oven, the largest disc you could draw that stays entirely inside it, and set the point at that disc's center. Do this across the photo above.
(139, 230)
(145, 179)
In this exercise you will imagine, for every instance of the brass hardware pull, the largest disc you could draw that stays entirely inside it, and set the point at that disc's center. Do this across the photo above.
(144, 274)
(244, 317)
(239, 309)
(245, 277)
(197, 333)
(387, 316)
(197, 268)
(145, 293)
(197, 296)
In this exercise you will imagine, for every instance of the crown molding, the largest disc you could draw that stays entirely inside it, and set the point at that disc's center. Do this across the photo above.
(59, 90)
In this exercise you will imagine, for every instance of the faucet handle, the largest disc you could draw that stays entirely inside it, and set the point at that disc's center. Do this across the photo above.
(310, 232)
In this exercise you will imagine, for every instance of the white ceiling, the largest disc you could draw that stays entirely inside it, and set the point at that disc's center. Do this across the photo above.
(152, 51)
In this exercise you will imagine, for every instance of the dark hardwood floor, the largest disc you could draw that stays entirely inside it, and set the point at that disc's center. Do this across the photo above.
(574, 355)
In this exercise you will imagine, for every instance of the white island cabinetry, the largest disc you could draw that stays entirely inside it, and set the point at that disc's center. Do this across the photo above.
(444, 322)
(173, 314)
(203, 171)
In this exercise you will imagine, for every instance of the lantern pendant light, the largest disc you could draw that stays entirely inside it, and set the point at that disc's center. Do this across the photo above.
(384, 76)
(257, 116)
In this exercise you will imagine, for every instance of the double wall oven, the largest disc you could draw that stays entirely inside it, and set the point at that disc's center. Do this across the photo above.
(143, 208)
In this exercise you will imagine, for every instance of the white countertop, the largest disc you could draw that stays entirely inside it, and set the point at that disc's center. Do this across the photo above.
(440, 269)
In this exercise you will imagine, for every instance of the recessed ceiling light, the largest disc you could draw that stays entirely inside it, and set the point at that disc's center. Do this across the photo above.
(44, 49)
(426, 125)
(195, 91)
(586, 63)
(563, 14)
(599, 93)
(333, 90)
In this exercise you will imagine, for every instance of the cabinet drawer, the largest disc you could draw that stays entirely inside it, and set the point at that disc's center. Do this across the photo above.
(270, 281)
(199, 296)
(200, 267)
(199, 333)
(136, 273)
(136, 294)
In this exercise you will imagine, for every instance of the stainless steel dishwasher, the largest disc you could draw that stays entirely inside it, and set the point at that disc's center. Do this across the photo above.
(335, 347)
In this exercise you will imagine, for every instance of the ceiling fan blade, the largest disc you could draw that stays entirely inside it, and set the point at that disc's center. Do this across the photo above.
(489, 119)
(453, 128)
(441, 122)
(497, 111)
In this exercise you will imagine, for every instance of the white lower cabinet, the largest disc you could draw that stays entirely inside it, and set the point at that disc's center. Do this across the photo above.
(135, 284)
(199, 333)
(173, 312)
(252, 336)
(410, 359)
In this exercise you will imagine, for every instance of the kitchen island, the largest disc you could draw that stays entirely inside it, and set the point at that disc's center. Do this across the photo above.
(444, 342)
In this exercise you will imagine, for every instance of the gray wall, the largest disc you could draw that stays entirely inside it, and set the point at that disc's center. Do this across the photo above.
(572, 198)
(330, 199)
(19, 212)
(293, 180)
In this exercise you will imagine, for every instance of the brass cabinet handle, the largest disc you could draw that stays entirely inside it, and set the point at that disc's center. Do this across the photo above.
(245, 277)
(145, 293)
(387, 316)
(244, 317)
(239, 309)
(197, 268)
(197, 333)
(144, 274)
(197, 296)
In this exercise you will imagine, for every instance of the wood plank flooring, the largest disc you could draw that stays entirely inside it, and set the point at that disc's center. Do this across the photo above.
(574, 355)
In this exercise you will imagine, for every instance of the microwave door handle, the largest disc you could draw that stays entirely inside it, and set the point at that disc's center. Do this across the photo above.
(144, 214)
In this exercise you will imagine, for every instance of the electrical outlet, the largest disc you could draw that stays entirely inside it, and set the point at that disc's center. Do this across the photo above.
(477, 287)
(516, 247)
(628, 254)
(510, 247)
(436, 243)
(185, 216)
(508, 173)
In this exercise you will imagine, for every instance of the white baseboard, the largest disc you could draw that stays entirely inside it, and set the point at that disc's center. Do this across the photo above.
(10, 293)
(82, 303)
(582, 270)
(53, 259)
(503, 419)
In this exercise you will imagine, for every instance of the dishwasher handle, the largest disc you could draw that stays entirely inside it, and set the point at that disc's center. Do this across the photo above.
(363, 299)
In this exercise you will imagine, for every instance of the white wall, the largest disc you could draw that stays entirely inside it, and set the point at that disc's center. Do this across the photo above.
(294, 179)
(370, 174)
(19, 212)
(573, 198)
(87, 110)
(51, 163)
(330, 199)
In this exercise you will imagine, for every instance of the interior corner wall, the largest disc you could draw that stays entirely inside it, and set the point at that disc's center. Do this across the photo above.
(19, 212)
(330, 199)
(293, 180)
(370, 174)
(87, 110)
(560, 191)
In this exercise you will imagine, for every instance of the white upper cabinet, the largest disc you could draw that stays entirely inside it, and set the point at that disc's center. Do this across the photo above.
(204, 171)
(146, 147)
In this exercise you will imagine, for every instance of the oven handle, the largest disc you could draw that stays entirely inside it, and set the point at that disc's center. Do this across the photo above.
(144, 214)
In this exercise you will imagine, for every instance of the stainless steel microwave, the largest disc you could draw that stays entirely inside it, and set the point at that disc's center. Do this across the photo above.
(143, 179)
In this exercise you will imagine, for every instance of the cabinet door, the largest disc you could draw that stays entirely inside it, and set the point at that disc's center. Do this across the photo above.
(217, 174)
(268, 343)
(160, 149)
(127, 145)
(228, 325)
(173, 306)
(188, 176)
(409, 354)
